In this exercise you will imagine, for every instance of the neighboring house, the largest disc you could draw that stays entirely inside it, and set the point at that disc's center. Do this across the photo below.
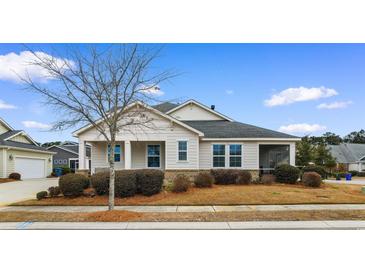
(68, 155)
(350, 155)
(190, 137)
(20, 153)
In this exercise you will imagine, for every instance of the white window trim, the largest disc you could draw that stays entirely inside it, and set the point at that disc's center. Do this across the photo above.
(107, 152)
(159, 167)
(187, 151)
(227, 155)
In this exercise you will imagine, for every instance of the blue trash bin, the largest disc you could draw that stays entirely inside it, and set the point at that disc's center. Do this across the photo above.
(58, 171)
(348, 176)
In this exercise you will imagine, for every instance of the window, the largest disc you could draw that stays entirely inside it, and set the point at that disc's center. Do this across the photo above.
(219, 158)
(153, 156)
(117, 152)
(183, 150)
(235, 155)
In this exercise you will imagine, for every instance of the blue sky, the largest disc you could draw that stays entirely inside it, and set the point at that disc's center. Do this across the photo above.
(297, 88)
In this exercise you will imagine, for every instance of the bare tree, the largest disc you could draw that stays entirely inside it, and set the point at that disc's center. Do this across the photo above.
(97, 87)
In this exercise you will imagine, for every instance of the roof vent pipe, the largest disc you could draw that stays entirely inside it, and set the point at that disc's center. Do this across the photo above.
(212, 107)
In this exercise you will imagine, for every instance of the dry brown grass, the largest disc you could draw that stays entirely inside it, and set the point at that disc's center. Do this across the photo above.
(230, 195)
(127, 216)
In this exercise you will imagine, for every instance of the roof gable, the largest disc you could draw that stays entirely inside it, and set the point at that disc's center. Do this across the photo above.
(192, 110)
(153, 110)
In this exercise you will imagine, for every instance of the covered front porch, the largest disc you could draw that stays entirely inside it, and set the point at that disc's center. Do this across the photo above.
(127, 155)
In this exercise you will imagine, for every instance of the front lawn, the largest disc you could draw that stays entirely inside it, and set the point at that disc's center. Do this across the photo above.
(274, 194)
(127, 216)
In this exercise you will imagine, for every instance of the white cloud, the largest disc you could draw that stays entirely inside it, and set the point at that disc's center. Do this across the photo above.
(13, 66)
(229, 92)
(4, 105)
(301, 94)
(302, 128)
(156, 91)
(34, 124)
(335, 105)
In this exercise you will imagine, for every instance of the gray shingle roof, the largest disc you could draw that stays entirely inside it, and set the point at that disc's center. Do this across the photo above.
(75, 148)
(22, 145)
(9, 134)
(165, 107)
(227, 129)
(347, 153)
(17, 144)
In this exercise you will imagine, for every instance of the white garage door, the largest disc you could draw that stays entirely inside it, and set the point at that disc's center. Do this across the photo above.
(30, 168)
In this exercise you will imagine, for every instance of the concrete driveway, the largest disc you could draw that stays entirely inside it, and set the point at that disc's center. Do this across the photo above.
(343, 182)
(23, 190)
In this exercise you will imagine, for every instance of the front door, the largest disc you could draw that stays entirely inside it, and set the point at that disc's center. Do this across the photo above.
(74, 165)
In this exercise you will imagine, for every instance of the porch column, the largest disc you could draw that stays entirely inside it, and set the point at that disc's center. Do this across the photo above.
(127, 154)
(82, 155)
(292, 154)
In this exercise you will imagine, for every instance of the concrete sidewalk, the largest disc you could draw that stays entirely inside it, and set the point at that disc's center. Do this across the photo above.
(292, 225)
(237, 208)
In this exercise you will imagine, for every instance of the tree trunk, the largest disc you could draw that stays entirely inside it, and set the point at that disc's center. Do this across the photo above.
(112, 176)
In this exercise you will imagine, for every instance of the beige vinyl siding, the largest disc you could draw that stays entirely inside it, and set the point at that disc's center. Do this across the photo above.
(249, 154)
(20, 138)
(160, 130)
(27, 154)
(355, 167)
(99, 155)
(139, 154)
(2, 167)
(192, 112)
(3, 129)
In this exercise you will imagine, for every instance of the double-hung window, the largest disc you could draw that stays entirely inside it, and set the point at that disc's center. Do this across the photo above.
(182, 150)
(153, 156)
(117, 153)
(219, 155)
(235, 155)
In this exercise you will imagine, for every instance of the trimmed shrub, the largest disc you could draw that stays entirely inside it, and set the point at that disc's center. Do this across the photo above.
(100, 182)
(287, 174)
(41, 195)
(66, 170)
(318, 169)
(125, 183)
(312, 179)
(361, 174)
(224, 176)
(244, 177)
(15, 176)
(180, 184)
(204, 179)
(354, 172)
(268, 179)
(54, 191)
(72, 185)
(149, 181)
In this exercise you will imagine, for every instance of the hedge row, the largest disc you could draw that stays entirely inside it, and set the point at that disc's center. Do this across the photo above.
(129, 182)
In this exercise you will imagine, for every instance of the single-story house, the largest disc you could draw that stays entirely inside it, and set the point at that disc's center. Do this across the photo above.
(20, 153)
(68, 155)
(352, 156)
(189, 137)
